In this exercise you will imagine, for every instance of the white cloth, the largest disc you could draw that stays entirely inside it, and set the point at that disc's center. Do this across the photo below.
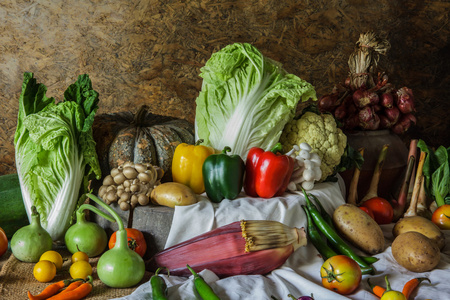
(299, 275)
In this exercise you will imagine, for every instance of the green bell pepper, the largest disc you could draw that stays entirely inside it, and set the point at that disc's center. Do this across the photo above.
(223, 175)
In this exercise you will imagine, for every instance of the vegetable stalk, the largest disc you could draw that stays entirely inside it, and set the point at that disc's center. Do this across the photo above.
(412, 209)
(373, 188)
(353, 188)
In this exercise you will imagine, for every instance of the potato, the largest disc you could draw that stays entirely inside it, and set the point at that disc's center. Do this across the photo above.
(357, 227)
(422, 225)
(173, 193)
(415, 252)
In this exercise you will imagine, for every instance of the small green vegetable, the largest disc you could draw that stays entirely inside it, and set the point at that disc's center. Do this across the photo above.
(159, 287)
(119, 267)
(31, 241)
(203, 289)
(88, 237)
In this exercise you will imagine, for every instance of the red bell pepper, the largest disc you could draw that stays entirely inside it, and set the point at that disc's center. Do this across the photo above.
(267, 172)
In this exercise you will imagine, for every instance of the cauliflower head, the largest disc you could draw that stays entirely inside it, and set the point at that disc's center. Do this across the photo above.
(320, 131)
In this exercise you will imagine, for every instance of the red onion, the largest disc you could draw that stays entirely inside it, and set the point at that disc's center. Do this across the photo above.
(372, 124)
(405, 100)
(366, 114)
(385, 123)
(386, 100)
(404, 123)
(392, 114)
(327, 103)
(351, 122)
(362, 98)
(377, 108)
(342, 110)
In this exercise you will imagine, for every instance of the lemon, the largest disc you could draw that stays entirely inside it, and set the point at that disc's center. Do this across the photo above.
(80, 269)
(54, 257)
(79, 255)
(44, 271)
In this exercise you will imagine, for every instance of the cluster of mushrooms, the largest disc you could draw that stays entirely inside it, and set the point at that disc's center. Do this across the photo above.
(130, 184)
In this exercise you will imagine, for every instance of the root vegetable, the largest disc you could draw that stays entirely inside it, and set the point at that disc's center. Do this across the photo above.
(172, 194)
(353, 188)
(373, 188)
(412, 209)
(415, 252)
(363, 98)
(393, 114)
(421, 225)
(327, 103)
(404, 123)
(359, 228)
(387, 100)
(405, 100)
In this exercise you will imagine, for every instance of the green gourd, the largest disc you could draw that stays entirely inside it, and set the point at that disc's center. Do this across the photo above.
(85, 236)
(31, 241)
(119, 267)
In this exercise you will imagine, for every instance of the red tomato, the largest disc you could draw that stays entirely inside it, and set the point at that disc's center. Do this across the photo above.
(3, 242)
(368, 211)
(136, 241)
(381, 208)
(441, 216)
(341, 274)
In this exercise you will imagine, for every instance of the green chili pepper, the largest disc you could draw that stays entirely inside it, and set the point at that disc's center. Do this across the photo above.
(159, 287)
(323, 212)
(337, 242)
(203, 289)
(316, 239)
(223, 175)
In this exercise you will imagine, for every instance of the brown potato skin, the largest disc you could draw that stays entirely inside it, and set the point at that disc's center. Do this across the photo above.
(357, 227)
(422, 225)
(415, 252)
(172, 194)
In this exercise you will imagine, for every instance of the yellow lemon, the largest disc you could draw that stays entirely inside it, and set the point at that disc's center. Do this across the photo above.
(80, 269)
(79, 255)
(54, 257)
(44, 271)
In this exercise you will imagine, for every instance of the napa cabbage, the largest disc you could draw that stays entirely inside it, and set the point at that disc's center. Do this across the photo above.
(246, 99)
(55, 150)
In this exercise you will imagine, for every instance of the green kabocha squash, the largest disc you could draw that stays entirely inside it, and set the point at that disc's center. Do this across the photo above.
(142, 137)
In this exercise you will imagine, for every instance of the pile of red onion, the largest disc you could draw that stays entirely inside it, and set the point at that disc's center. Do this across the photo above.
(366, 100)
(380, 107)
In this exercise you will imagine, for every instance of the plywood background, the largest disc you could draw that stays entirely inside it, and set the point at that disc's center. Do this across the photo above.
(151, 51)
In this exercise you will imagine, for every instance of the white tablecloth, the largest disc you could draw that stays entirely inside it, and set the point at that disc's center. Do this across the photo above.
(300, 274)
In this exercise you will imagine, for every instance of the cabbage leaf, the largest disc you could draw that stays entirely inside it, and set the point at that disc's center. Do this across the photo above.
(246, 99)
(55, 150)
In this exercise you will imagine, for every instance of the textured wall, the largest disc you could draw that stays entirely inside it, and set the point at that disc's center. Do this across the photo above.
(150, 52)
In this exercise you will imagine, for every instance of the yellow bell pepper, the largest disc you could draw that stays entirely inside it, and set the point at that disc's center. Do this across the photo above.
(187, 165)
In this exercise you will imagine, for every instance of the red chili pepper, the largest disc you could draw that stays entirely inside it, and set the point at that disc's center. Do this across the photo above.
(267, 172)
(76, 294)
(51, 290)
(411, 285)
